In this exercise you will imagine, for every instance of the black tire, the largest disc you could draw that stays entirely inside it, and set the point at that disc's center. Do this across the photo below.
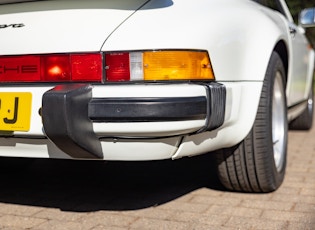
(305, 120)
(258, 163)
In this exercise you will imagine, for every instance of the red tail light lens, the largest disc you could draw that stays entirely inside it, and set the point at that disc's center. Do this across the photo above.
(87, 67)
(56, 68)
(52, 68)
(20, 69)
(117, 67)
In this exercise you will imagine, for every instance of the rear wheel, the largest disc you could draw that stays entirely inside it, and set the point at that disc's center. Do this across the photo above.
(258, 163)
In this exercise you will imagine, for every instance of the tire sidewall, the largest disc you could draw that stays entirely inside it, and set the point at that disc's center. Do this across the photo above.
(275, 66)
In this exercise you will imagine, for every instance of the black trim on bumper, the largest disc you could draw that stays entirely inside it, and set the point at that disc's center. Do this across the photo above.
(216, 94)
(147, 109)
(66, 122)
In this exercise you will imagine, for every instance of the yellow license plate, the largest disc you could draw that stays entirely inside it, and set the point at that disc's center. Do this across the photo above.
(15, 111)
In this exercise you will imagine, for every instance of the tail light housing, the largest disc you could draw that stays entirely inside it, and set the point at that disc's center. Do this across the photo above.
(161, 65)
(52, 68)
(158, 66)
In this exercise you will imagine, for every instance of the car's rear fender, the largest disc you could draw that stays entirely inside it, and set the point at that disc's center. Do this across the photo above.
(239, 47)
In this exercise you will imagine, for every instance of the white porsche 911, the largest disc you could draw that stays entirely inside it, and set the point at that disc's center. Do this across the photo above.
(156, 79)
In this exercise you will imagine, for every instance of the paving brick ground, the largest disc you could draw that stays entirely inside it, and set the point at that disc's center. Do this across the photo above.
(183, 194)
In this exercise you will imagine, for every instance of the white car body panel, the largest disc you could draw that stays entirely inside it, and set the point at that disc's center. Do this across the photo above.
(155, 149)
(239, 51)
(235, 18)
(66, 23)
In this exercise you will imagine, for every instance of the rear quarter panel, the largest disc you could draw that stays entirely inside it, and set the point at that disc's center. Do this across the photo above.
(239, 35)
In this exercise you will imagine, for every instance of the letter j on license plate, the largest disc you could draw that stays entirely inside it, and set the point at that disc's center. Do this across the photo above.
(15, 111)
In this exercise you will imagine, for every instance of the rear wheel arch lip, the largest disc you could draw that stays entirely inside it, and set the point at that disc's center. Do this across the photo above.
(282, 50)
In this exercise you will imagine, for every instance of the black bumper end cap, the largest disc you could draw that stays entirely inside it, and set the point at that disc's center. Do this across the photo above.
(66, 122)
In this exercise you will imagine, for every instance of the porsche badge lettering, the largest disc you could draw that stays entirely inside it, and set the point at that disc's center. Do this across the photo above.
(18, 69)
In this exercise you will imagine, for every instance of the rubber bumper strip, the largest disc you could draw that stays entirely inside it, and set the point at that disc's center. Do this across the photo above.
(66, 122)
(216, 94)
(147, 109)
(123, 109)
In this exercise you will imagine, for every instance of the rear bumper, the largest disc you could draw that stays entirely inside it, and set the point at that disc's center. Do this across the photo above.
(70, 111)
(139, 141)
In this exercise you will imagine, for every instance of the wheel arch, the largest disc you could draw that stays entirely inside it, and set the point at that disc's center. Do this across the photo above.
(282, 49)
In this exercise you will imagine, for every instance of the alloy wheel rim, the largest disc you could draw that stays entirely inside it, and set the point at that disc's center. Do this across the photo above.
(278, 122)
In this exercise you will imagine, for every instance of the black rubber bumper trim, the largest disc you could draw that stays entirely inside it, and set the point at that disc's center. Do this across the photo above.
(216, 94)
(66, 121)
(147, 109)
(211, 108)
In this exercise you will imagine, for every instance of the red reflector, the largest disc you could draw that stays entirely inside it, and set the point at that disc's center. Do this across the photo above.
(21, 69)
(52, 68)
(117, 67)
(86, 67)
